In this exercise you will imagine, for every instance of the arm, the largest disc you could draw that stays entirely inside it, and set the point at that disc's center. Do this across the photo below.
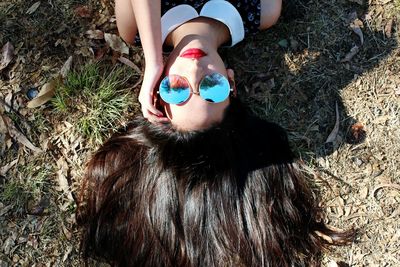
(144, 16)
(148, 20)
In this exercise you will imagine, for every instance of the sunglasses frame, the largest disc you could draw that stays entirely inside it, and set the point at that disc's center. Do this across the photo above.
(231, 89)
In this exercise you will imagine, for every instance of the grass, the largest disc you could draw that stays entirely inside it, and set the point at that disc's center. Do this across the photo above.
(46, 23)
(95, 99)
(30, 191)
(308, 79)
(397, 4)
(29, 185)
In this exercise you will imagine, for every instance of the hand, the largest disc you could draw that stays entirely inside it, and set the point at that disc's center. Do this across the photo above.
(151, 75)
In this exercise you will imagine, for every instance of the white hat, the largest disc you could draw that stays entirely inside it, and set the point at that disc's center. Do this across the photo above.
(220, 10)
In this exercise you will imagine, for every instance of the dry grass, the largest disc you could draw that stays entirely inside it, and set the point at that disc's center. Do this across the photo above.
(291, 74)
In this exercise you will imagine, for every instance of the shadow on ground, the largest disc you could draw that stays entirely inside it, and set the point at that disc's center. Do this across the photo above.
(294, 73)
(291, 74)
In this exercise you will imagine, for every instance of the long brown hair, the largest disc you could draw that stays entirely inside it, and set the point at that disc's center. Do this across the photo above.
(231, 195)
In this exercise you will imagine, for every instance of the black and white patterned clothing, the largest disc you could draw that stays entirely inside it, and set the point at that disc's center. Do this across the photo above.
(242, 17)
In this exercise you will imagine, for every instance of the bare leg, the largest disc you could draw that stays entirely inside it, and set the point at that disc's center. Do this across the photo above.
(270, 12)
(126, 21)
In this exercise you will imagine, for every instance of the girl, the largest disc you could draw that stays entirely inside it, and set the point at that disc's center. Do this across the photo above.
(200, 25)
(216, 186)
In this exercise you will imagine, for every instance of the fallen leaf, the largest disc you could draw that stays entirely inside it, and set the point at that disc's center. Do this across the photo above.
(351, 16)
(357, 30)
(7, 55)
(3, 127)
(45, 94)
(381, 119)
(8, 142)
(4, 210)
(347, 211)
(388, 28)
(94, 34)
(116, 43)
(66, 232)
(333, 135)
(40, 208)
(33, 8)
(353, 51)
(364, 192)
(340, 206)
(68, 252)
(101, 19)
(332, 263)
(99, 52)
(9, 243)
(270, 84)
(44, 141)
(66, 67)
(379, 187)
(83, 11)
(17, 135)
(63, 185)
(7, 167)
(115, 56)
(8, 102)
(129, 64)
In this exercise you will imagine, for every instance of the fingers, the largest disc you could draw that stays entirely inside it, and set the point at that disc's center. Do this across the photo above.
(154, 118)
(153, 114)
(150, 112)
(152, 109)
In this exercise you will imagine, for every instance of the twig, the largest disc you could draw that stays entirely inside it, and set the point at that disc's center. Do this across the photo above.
(26, 123)
(4, 103)
(335, 177)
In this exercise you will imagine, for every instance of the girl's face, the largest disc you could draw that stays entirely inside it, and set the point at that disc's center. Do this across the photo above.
(196, 113)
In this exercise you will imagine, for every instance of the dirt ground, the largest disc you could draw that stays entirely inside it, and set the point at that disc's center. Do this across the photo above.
(328, 72)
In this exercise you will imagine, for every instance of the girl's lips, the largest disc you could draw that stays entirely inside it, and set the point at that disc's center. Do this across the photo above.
(193, 53)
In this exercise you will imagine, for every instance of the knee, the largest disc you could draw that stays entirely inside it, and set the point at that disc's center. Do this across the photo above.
(128, 38)
(270, 12)
(126, 22)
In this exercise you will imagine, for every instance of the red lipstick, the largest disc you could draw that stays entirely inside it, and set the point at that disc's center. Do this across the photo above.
(193, 53)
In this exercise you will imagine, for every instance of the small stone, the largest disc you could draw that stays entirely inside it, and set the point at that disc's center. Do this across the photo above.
(283, 43)
(358, 161)
(32, 93)
(357, 134)
(294, 45)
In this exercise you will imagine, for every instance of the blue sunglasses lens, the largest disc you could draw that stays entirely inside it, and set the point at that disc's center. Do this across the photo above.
(174, 89)
(214, 88)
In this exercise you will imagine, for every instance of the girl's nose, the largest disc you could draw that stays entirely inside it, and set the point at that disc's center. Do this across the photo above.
(196, 73)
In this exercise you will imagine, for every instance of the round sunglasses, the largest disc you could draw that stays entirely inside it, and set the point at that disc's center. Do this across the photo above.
(175, 89)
